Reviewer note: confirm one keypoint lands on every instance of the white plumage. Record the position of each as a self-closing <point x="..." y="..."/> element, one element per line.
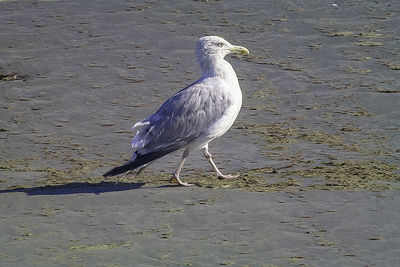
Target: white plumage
<point x="194" y="116"/>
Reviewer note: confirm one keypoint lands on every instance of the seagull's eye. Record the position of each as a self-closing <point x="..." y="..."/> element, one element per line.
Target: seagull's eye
<point x="220" y="44"/>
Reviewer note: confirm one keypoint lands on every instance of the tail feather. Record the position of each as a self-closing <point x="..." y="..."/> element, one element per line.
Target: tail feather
<point x="140" y="160"/>
<point x="120" y="169"/>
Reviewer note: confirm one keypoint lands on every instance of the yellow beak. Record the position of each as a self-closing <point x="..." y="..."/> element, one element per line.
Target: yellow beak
<point x="239" y="50"/>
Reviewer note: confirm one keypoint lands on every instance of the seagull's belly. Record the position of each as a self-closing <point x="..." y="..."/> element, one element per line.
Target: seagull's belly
<point x="222" y="125"/>
<point x="219" y="128"/>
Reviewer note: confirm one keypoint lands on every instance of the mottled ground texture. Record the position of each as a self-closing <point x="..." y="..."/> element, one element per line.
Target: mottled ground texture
<point x="317" y="142"/>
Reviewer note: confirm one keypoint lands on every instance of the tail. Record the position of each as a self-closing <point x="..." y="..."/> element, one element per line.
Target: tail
<point x="121" y="169"/>
<point x="140" y="160"/>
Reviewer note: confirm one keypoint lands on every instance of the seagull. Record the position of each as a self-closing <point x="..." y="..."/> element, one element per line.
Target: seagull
<point x="194" y="116"/>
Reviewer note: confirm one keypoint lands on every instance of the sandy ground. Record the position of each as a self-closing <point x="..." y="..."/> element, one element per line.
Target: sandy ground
<point x="108" y="226"/>
<point x="317" y="141"/>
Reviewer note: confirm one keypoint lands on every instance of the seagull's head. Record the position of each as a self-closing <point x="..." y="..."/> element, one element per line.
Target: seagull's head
<point x="215" y="47"/>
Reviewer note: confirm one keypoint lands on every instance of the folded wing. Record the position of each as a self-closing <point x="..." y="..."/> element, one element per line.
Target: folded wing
<point x="183" y="117"/>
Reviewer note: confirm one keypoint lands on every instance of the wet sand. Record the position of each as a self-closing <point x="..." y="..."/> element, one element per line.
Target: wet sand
<point x="317" y="141"/>
<point x="124" y="225"/>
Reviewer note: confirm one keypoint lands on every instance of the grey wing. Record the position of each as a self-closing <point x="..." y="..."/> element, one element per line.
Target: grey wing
<point x="182" y="118"/>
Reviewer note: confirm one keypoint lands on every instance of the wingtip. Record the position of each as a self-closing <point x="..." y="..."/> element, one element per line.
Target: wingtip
<point x="113" y="172"/>
<point x="120" y="169"/>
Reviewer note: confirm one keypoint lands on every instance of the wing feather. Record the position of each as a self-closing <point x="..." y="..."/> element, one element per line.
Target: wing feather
<point x="183" y="117"/>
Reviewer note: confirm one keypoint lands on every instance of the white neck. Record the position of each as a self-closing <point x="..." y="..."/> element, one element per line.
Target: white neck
<point x="217" y="67"/>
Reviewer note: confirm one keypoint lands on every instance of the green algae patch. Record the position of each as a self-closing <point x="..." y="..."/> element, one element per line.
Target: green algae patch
<point x="335" y="175"/>
<point x="395" y="91"/>
<point x="12" y="77"/>
<point x="255" y="180"/>
<point x="357" y="71"/>
<point x="285" y="134"/>
<point x="342" y="176"/>
<point x="99" y="247"/>
<point x="274" y="133"/>
<point x="79" y="168"/>
<point x="351" y="175"/>
<point x="251" y="180"/>
<point x="369" y="43"/>
<point x="341" y="34"/>
<point x="15" y="164"/>
<point x="322" y="138"/>
<point x="247" y="182"/>
<point x="360" y="112"/>
<point x="78" y="171"/>
<point x="392" y="65"/>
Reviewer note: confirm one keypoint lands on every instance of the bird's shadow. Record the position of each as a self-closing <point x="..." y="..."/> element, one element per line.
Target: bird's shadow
<point x="76" y="188"/>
